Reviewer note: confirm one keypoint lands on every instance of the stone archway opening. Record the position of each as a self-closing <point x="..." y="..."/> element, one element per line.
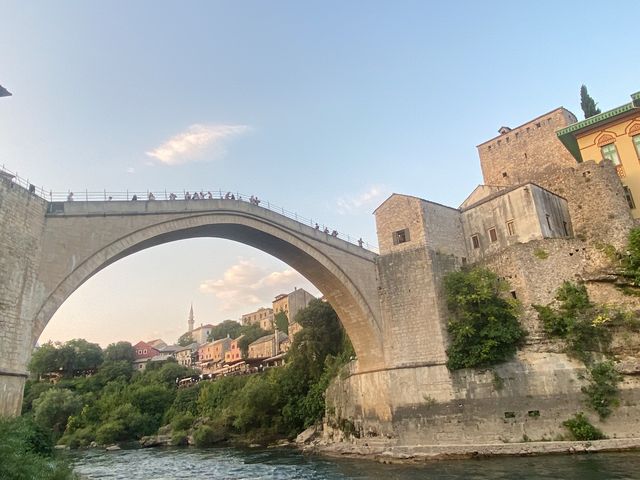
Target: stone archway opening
<point x="327" y="276"/>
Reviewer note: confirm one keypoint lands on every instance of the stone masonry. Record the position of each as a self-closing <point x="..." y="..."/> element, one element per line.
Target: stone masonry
<point x="520" y="154"/>
<point x="50" y="249"/>
<point x="22" y="221"/>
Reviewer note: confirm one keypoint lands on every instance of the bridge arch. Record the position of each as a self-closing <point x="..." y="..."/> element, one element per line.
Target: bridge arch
<point x="345" y="274"/>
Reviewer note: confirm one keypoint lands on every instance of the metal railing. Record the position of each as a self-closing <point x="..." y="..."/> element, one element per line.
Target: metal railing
<point x="13" y="177"/>
<point x="174" y="195"/>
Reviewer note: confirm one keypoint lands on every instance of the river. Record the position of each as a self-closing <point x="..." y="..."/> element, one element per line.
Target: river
<point x="285" y="464"/>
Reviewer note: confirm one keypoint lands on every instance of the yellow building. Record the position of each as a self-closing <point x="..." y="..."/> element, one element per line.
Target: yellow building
<point x="281" y="304"/>
<point x="262" y="316"/>
<point x="615" y="136"/>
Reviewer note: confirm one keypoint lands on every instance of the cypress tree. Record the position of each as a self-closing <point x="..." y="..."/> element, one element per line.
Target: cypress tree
<point x="587" y="103"/>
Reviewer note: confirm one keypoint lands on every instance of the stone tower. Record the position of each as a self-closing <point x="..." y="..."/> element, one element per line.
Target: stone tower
<point x="191" y="319"/>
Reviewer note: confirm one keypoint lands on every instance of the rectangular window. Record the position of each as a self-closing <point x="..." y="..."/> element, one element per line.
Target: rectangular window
<point x="511" y="228"/>
<point x="475" y="240"/>
<point x="628" y="196"/>
<point x="636" y="143"/>
<point x="493" y="235"/>
<point x="401" y="236"/>
<point x="610" y="153"/>
<point x="548" y="220"/>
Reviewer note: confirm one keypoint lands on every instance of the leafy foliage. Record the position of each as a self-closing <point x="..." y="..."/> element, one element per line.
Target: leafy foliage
<point x="483" y="326"/>
<point x="205" y="436"/>
<point x="579" y="322"/>
<point x="53" y="408"/>
<point x="26" y="453"/>
<point x="581" y="428"/>
<point x="117" y="404"/>
<point x="282" y="322"/>
<point x="632" y="261"/>
<point x="229" y="328"/>
<point x="588" y="105"/>
<point x="250" y="333"/>
<point x="67" y="359"/>
<point x="185" y="339"/>
<point x="602" y="391"/>
<point x="120" y="351"/>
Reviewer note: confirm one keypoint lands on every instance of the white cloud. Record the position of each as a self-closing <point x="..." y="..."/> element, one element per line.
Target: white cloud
<point x="247" y="285"/>
<point x="131" y="170"/>
<point x="194" y="142"/>
<point x="352" y="203"/>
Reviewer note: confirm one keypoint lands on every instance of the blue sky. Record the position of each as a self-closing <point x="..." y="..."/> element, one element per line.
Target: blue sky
<point x="324" y="108"/>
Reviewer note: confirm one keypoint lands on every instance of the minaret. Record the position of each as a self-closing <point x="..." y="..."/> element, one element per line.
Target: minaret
<point x="191" y="319"/>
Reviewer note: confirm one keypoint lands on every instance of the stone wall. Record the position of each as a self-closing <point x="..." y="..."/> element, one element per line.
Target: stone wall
<point x="443" y="227"/>
<point x="412" y="308"/>
<point x="527" y="398"/>
<point x="400" y="212"/>
<point x="594" y="193"/>
<point x="526" y="207"/>
<point x="535" y="270"/>
<point x="517" y="156"/>
<point x="20" y="249"/>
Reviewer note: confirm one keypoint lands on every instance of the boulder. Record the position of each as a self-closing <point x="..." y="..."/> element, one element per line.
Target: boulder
<point x="629" y="366"/>
<point x="307" y="436"/>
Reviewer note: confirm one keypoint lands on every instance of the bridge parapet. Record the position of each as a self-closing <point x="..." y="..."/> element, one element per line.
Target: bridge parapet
<point x="161" y="207"/>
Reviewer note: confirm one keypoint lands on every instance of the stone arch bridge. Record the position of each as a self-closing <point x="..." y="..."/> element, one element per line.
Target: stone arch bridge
<point x="49" y="249"/>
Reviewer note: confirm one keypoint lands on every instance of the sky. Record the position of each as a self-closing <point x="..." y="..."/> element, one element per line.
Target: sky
<point x="323" y="108"/>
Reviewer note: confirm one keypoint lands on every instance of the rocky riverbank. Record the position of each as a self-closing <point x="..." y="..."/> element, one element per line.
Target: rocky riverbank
<point x="426" y="453"/>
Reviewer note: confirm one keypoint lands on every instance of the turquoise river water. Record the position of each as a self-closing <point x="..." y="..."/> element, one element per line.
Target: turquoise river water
<point x="285" y="464"/>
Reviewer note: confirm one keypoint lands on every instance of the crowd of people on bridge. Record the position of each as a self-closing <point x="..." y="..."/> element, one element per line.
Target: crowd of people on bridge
<point x="253" y="200"/>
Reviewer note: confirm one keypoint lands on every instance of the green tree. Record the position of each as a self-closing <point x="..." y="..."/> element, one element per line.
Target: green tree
<point x="26" y="453"/>
<point x="251" y="334"/>
<point x="185" y="339"/>
<point x="88" y="356"/>
<point x="318" y="352"/>
<point x="588" y="105"/>
<point x="45" y="359"/>
<point x="228" y="328"/>
<point x="282" y="322"/>
<point x="483" y="326"/>
<point x="54" y="407"/>
<point x="153" y="400"/>
<point x="32" y="390"/>
<point x="114" y="370"/>
<point x="116" y="352"/>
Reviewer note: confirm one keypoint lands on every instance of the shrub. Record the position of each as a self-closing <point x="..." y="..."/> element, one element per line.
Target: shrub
<point x="111" y="432"/>
<point x="541" y="254"/>
<point x="182" y="421"/>
<point x="602" y="391"/>
<point x="205" y="436"/>
<point x="26" y="453"/>
<point x="483" y="327"/>
<point x="81" y="437"/>
<point x="581" y="429"/>
<point x="580" y="323"/>
<point x="179" y="438"/>
<point x="632" y="261"/>
<point x="53" y="408"/>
